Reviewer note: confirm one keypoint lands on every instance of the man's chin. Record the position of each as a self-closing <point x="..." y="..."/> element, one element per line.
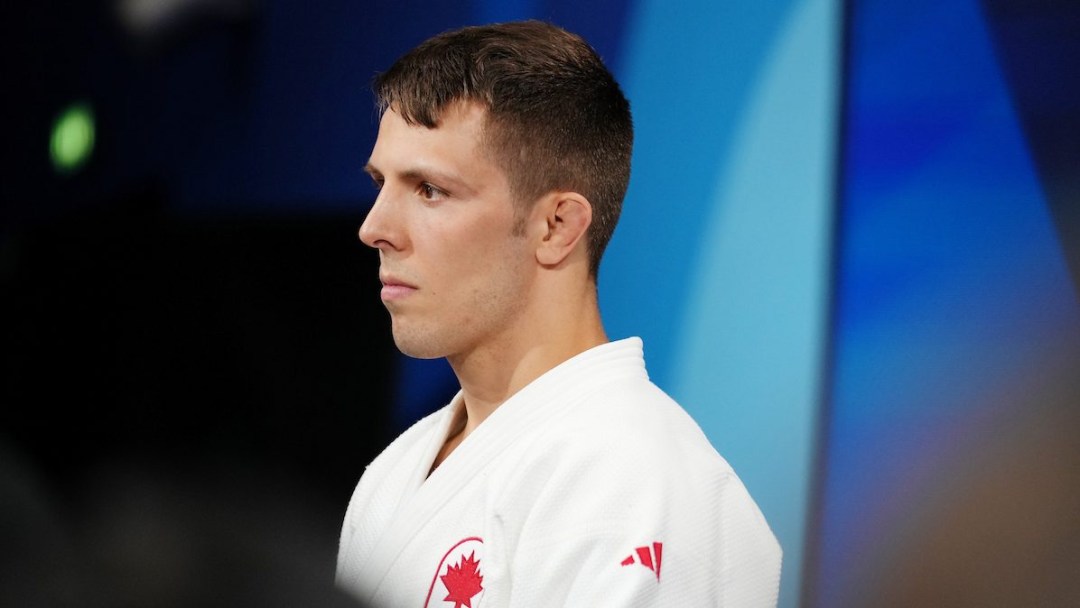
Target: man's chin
<point x="414" y="354"/>
<point x="417" y="347"/>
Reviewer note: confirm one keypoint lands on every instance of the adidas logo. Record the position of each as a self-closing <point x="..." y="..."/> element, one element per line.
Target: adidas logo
<point x="650" y="557"/>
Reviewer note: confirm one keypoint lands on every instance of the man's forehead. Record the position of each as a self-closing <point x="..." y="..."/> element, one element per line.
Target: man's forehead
<point x="452" y="152"/>
<point x="458" y="133"/>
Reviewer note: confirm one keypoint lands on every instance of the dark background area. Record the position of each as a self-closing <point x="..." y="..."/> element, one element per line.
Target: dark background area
<point x="217" y="378"/>
<point x="246" y="338"/>
<point x="196" y="363"/>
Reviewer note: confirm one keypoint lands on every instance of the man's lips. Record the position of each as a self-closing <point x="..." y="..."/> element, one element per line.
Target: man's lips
<point x="395" y="289"/>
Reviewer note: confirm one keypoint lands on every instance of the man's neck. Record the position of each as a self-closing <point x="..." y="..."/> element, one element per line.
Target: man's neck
<point x="495" y="372"/>
<point x="487" y="383"/>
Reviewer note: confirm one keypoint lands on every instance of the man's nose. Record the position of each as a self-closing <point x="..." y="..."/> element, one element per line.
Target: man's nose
<point x="381" y="227"/>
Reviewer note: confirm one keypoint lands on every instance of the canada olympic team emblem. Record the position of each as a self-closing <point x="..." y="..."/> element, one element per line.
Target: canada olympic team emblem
<point x="458" y="581"/>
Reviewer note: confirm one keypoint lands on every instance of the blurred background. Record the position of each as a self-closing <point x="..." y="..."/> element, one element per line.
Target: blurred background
<point x="851" y="245"/>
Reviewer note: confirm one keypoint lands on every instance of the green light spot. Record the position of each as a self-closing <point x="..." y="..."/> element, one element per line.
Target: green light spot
<point x="72" y="139"/>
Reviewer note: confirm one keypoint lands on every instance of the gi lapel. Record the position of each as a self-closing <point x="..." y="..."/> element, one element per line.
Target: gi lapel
<point x="540" y="403"/>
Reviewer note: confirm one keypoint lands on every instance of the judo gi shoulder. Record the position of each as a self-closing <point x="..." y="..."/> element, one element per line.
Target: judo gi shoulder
<point x="624" y="502"/>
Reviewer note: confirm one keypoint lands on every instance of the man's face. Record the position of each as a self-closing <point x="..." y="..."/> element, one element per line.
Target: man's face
<point x="455" y="275"/>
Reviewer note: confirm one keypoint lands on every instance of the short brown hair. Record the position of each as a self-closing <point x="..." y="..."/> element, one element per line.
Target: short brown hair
<point x="556" y="117"/>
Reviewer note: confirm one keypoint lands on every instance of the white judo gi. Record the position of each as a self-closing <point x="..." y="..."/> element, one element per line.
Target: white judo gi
<point x="589" y="487"/>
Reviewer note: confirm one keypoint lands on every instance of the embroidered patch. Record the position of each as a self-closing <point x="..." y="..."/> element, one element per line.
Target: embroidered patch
<point x="458" y="581"/>
<point x="651" y="558"/>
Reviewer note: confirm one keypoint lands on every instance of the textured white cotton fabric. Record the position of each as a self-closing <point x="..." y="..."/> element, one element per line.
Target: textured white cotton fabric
<point x="589" y="487"/>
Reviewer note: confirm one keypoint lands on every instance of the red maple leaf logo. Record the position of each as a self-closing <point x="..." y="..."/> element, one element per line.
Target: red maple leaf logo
<point x="463" y="581"/>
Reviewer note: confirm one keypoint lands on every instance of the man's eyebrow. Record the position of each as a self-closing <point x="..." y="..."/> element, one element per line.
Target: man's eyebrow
<point x="422" y="173"/>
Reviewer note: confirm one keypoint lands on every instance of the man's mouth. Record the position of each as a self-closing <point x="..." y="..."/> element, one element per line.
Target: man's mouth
<point x="395" y="289"/>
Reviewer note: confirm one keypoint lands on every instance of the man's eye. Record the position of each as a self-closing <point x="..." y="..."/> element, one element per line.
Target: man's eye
<point x="430" y="192"/>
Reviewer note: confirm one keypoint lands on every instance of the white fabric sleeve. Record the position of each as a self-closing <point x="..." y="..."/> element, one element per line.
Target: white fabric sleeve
<point x="597" y="520"/>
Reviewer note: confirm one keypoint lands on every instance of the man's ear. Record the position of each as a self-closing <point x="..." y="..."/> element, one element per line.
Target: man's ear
<point x="567" y="217"/>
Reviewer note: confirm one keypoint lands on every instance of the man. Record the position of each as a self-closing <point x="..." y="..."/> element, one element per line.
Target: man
<point x="559" y="475"/>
